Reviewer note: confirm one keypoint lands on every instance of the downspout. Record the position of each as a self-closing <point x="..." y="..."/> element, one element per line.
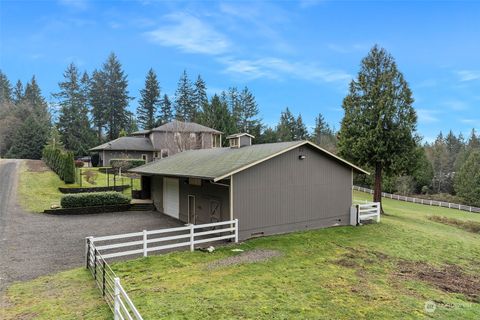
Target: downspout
<point x="231" y="197"/>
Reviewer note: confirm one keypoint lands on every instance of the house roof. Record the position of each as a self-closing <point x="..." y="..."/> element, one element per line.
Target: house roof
<point x="180" y="126"/>
<point x="236" y="135"/>
<point x="126" y="143"/>
<point x="220" y="163"/>
<point x="140" y="133"/>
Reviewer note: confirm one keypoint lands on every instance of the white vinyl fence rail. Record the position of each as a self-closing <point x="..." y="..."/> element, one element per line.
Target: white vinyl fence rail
<point x="368" y="211"/>
<point x="109" y="284"/>
<point x="163" y="239"/>
<point x="143" y="243"/>
<point x="422" y="201"/>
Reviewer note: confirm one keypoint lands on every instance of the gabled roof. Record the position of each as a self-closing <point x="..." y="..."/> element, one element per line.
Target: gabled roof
<point x="236" y="135"/>
<point x="140" y="133"/>
<point x="219" y="163"/>
<point x="180" y="126"/>
<point x="126" y="143"/>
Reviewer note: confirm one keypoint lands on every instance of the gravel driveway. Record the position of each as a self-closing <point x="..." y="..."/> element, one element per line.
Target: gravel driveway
<point x="34" y="244"/>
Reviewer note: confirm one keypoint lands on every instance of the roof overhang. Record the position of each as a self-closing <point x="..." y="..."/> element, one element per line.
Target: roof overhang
<point x="302" y="143"/>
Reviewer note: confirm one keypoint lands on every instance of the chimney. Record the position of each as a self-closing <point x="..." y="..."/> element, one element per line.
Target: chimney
<point x="239" y="140"/>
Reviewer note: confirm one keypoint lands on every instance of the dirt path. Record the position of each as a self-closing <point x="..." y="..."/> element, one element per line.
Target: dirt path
<point x="34" y="244"/>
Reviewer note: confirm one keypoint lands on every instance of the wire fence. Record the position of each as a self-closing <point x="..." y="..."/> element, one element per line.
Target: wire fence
<point x="422" y="201"/>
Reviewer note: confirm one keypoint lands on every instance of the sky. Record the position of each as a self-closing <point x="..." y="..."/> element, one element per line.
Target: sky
<point x="296" y="54"/>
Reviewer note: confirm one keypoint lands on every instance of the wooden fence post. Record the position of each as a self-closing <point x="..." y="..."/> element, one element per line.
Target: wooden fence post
<point x="103" y="278"/>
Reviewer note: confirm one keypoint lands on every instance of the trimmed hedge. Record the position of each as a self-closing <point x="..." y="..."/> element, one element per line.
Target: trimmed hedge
<point x="126" y="164"/>
<point x="92" y="199"/>
<point x="61" y="162"/>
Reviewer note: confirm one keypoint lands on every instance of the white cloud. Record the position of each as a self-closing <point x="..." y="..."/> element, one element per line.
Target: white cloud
<point x="427" y="115"/>
<point x="456" y="105"/>
<point x="191" y="35"/>
<point x="275" y="68"/>
<point x="468" y="75"/>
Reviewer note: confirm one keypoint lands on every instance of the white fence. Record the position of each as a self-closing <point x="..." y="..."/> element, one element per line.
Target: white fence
<point x="368" y="211"/>
<point x="146" y="241"/>
<point x="422" y="201"/>
<point x="109" y="284"/>
<point x="141" y="243"/>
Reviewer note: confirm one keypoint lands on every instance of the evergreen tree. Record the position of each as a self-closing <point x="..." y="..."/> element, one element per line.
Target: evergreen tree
<point x="166" y="112"/>
<point x="473" y="141"/>
<point x="5" y="89"/>
<point x="269" y="135"/>
<point x="221" y="118"/>
<point x="73" y="123"/>
<point x="18" y="92"/>
<point x="378" y="129"/>
<point x="300" y="129"/>
<point x="247" y="114"/>
<point x="286" y="128"/>
<point x="33" y="97"/>
<point x="149" y="102"/>
<point x="232" y="99"/>
<point x="467" y="181"/>
<point x="323" y="135"/>
<point x="29" y="139"/>
<point x="109" y="98"/>
<point x="200" y="99"/>
<point x="131" y="124"/>
<point x="98" y="102"/>
<point x="184" y="104"/>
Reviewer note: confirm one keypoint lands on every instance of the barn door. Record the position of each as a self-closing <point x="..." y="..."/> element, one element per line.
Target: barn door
<point x="171" y="199"/>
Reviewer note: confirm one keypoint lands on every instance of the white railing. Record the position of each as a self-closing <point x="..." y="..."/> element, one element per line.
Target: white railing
<point x="163" y="239"/>
<point x="427" y="202"/>
<point x="109" y="285"/>
<point x="368" y="211"/>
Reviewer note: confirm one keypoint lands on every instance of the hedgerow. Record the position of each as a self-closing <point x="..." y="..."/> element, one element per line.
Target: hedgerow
<point x="61" y="162"/>
<point x="92" y="199"/>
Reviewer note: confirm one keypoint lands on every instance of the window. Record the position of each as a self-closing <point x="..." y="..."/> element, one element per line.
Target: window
<point x="164" y="153"/>
<point x="234" y="142"/>
<point x="144" y="157"/>
<point x="216" y="141"/>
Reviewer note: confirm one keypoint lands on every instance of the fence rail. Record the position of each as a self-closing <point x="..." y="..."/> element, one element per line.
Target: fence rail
<point x="109" y="285"/>
<point x="422" y="201"/>
<point x="163" y="239"/>
<point x="138" y="243"/>
<point x="368" y="211"/>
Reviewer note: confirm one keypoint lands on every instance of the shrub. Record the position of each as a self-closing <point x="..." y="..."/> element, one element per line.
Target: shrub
<point x="126" y="164"/>
<point x="68" y="168"/>
<point x="79" y="164"/>
<point x="92" y="199"/>
<point x="91" y="176"/>
<point x="95" y="159"/>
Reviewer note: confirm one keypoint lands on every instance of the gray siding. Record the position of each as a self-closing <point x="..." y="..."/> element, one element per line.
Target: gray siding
<point x="286" y="194"/>
<point x="245" y="141"/>
<point x="107" y="155"/>
<point x="206" y="196"/>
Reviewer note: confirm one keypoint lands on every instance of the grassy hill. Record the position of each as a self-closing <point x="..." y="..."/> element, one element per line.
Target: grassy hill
<point x="377" y="271"/>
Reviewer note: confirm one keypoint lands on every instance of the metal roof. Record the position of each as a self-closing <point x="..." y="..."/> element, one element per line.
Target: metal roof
<point x="126" y="143"/>
<point x="180" y="126"/>
<point x="219" y="163"/>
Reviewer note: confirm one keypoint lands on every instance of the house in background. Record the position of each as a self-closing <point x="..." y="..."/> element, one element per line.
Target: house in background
<point x="270" y="188"/>
<point x="160" y="142"/>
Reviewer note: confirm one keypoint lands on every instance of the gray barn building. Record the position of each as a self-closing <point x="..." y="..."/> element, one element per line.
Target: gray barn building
<point x="270" y="188"/>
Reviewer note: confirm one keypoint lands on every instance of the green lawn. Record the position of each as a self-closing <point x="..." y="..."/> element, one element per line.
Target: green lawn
<point x="38" y="190"/>
<point x="376" y="271"/>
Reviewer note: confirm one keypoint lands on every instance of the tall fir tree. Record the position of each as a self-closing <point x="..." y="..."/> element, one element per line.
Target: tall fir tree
<point x="378" y="129"/>
<point x="300" y="130"/>
<point x="29" y="139"/>
<point x="286" y="126"/>
<point x="246" y="117"/>
<point x="184" y="103"/>
<point x="73" y="123"/>
<point x="166" y="112"/>
<point x="18" y="92"/>
<point x="200" y="98"/>
<point x="109" y="98"/>
<point x="323" y="135"/>
<point x="6" y="90"/>
<point x="221" y="118"/>
<point x="149" y="102"/>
